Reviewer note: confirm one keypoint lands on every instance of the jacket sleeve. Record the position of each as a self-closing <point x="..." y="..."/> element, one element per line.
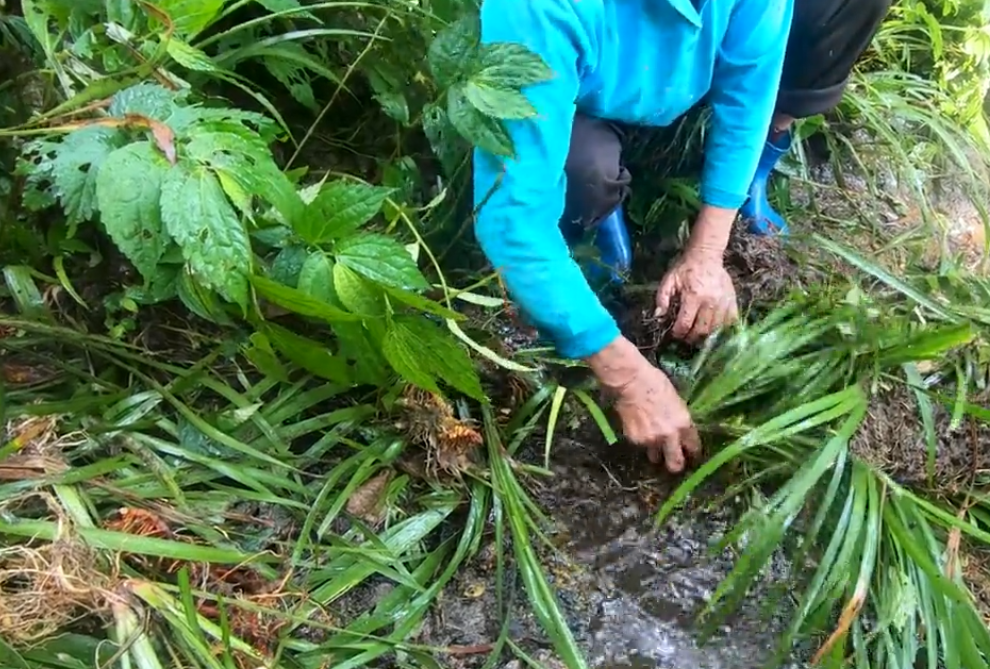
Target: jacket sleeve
<point x="743" y="96"/>
<point x="518" y="225"/>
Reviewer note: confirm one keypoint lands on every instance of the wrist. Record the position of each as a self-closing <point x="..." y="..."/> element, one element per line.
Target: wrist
<point x="710" y="233"/>
<point x="616" y="365"/>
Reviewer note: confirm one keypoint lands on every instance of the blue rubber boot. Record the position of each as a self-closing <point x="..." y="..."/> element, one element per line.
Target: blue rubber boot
<point x="615" y="251"/>
<point x="757" y="213"/>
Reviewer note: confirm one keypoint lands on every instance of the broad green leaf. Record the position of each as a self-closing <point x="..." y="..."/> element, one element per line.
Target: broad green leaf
<point x="452" y="52"/>
<point x="191" y="17"/>
<point x="358" y="345"/>
<point x="480" y="130"/>
<point x="287" y="265"/>
<point x="340" y="208"/>
<point x="128" y="190"/>
<point x="510" y="65"/>
<point x="151" y="100"/>
<point x="421" y="351"/>
<point x="202" y="221"/>
<point x="356" y="294"/>
<point x="499" y="103"/>
<point x="299" y="302"/>
<point x="72" y="166"/>
<point x="121" y="12"/>
<point x="309" y="354"/>
<point x="381" y="259"/>
<point x="244" y="157"/>
<point x="316" y="278"/>
<point x="199" y="300"/>
<point x="417" y="301"/>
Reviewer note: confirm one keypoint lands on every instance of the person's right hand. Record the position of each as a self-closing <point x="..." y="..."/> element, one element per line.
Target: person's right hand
<point x="653" y="414"/>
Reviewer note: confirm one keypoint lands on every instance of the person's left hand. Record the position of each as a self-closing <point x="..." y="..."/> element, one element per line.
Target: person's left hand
<point x="707" y="297"/>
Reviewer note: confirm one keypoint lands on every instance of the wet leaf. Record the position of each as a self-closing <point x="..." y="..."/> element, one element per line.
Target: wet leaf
<point x="452" y="51"/>
<point x="202" y="221"/>
<point x="149" y="100"/>
<point x="381" y="259"/>
<point x="189" y="56"/>
<point x="482" y="131"/>
<point x="128" y="190"/>
<point x="499" y="103"/>
<point x="356" y="293"/>
<point x="316" y="278"/>
<point x="508" y="65"/>
<point x="421" y="352"/>
<point x="340" y="208"/>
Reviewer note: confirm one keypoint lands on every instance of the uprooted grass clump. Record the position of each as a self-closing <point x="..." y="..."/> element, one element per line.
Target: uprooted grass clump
<point x="47" y="588"/>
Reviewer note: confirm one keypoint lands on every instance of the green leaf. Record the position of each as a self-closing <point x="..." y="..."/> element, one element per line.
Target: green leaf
<point x="309" y="354"/>
<point x="72" y="166"/>
<point x="191" y="17"/>
<point x="316" y="278"/>
<point x="498" y="102"/>
<point x="278" y="6"/>
<point x="288" y="264"/>
<point x="356" y="293"/>
<point x="299" y="302"/>
<point x="260" y="354"/>
<point x="381" y="259"/>
<point x="482" y="131"/>
<point x="151" y="100"/>
<point x="453" y="51"/>
<point x="421" y="351"/>
<point x="128" y="190"/>
<point x="244" y="158"/>
<point x="214" y="242"/>
<point x="447" y="144"/>
<point x="363" y="349"/>
<point x="199" y="300"/>
<point x="417" y="301"/>
<point x="510" y="65"/>
<point x="189" y="56"/>
<point x="340" y="208"/>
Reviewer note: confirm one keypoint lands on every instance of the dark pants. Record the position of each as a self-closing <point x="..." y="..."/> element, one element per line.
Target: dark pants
<point x="827" y="38"/>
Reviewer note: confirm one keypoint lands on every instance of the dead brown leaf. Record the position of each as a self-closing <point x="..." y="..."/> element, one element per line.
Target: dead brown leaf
<point x="368" y="501"/>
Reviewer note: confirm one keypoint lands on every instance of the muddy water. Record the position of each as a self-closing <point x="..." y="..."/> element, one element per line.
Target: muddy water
<point x="630" y="592"/>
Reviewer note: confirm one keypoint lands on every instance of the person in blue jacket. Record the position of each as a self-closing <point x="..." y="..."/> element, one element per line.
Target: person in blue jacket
<point x="758" y="65"/>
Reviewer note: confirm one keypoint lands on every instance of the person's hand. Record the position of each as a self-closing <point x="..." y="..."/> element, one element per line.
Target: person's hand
<point x="707" y="298"/>
<point x="653" y="414"/>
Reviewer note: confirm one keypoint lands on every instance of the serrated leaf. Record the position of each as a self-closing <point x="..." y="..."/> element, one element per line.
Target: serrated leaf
<point x="293" y="75"/>
<point x="191" y="17"/>
<point x="452" y="53"/>
<point x="203" y="223"/>
<point x="498" y="102"/>
<point x="288" y="265"/>
<point x="72" y="166"/>
<point x="356" y="293"/>
<point x="189" y="56"/>
<point x="381" y="259"/>
<point x="358" y="344"/>
<point x="308" y="354"/>
<point x="316" y="278"/>
<point x="482" y="131"/>
<point x="199" y="300"/>
<point x="421" y="351"/>
<point x="340" y="208"/>
<point x="150" y="100"/>
<point x="299" y="302"/>
<point x="128" y="190"/>
<point x="246" y="160"/>
<point x="510" y="65"/>
<point x="447" y="144"/>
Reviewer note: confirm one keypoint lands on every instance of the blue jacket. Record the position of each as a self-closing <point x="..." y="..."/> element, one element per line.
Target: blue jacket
<point x="643" y="62"/>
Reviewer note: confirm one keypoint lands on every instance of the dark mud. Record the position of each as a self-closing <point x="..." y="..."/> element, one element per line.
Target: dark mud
<point x="630" y="592"/>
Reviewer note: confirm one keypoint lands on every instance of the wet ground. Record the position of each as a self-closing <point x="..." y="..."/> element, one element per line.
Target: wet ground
<point x="630" y="592"/>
